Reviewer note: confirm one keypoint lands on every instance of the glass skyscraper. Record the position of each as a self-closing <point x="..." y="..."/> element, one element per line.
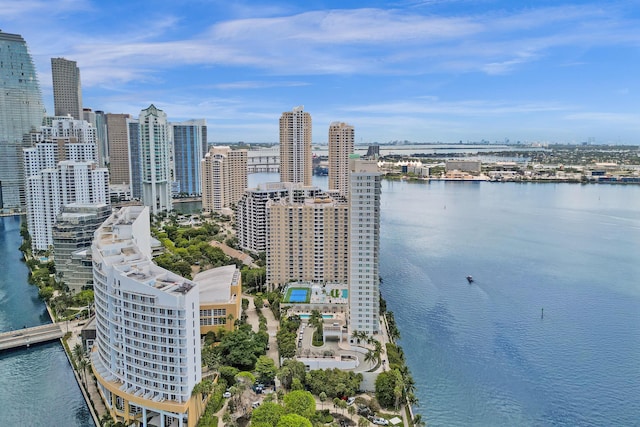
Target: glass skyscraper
<point x="190" y="146"/>
<point x="21" y="110"/>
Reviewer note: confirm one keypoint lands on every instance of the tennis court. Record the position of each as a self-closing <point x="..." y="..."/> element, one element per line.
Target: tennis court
<point x="298" y="295"/>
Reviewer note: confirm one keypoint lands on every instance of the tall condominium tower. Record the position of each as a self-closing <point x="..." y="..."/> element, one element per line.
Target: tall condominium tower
<point x="97" y="119"/>
<point x="21" y="110"/>
<point x="307" y="241"/>
<point x="364" y="246"/>
<point x="67" y="91"/>
<point x="103" y="141"/>
<point x="341" y="139"/>
<point x="295" y="147"/>
<point x="118" y="141"/>
<point x="61" y="169"/>
<point x="155" y="158"/>
<point x="146" y="356"/>
<point x="135" y="165"/>
<point x="251" y="211"/>
<point x="224" y="178"/>
<point x="189" y="147"/>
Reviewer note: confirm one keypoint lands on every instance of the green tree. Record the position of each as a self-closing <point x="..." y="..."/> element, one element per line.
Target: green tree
<point x="239" y="348"/>
<point x="418" y="421"/>
<point x="78" y="352"/>
<point x="266" y="369"/>
<point x="389" y="388"/>
<point x="82" y="367"/>
<point x="228" y="374"/>
<point x="322" y="396"/>
<point x="293" y="420"/>
<point x="296" y="384"/>
<point x="268" y="413"/>
<point x="300" y="402"/>
<point x="351" y="410"/>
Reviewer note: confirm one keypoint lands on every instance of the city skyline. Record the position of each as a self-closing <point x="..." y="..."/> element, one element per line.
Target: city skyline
<point x="424" y="71"/>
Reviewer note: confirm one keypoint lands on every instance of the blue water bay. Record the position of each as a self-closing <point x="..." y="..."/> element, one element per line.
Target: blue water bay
<point x="481" y="353"/>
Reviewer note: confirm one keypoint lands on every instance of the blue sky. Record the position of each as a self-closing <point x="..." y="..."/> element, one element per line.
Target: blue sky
<point x="424" y="71"/>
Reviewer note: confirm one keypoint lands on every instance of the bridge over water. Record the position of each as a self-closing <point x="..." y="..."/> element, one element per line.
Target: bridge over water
<point x="28" y="336"/>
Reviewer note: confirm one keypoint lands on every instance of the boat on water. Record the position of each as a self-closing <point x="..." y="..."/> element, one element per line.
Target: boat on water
<point x="469" y="279"/>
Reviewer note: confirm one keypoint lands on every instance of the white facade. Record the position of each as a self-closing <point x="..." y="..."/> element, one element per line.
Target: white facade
<point x="147" y="350"/>
<point x="60" y="168"/>
<point x="155" y="160"/>
<point x="364" y="246"/>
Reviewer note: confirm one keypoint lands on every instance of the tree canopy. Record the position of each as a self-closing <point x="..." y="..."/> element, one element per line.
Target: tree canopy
<point x="301" y="403"/>
<point x="268" y="413"/>
<point x="266" y="369"/>
<point x="293" y="420"/>
<point x="240" y="348"/>
<point x="334" y="382"/>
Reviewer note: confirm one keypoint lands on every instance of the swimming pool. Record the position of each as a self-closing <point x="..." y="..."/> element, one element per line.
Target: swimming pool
<point x="345" y="293"/>
<point x="324" y="316"/>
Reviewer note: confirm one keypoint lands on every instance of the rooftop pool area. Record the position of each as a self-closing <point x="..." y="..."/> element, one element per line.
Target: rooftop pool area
<point x="307" y="316"/>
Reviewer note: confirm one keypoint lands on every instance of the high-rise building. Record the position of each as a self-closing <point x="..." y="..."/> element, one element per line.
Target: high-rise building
<point x="189" y="147"/>
<point x="364" y="246"/>
<point x="135" y="166"/>
<point x="103" y="140"/>
<point x="155" y="159"/>
<point x="118" y="142"/>
<point x="72" y="237"/>
<point x="295" y="147"/>
<point x="61" y="169"/>
<point x="67" y="90"/>
<point x="21" y="110"/>
<point x="146" y="356"/>
<point x="308" y="240"/>
<point x="251" y="211"/>
<point x="97" y="119"/>
<point x="341" y="140"/>
<point x="224" y="178"/>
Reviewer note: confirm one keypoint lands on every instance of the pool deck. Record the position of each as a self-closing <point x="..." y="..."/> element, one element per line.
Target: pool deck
<point x="319" y="294"/>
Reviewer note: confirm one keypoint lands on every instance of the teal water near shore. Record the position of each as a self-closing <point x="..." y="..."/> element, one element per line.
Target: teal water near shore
<point x="37" y="385"/>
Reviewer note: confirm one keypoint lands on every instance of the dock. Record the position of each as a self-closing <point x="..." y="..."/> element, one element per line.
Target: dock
<point x="29" y="336"/>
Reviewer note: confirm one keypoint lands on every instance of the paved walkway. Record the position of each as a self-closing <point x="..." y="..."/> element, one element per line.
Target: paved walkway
<point x="272" y="326"/>
<point x="75" y="327"/>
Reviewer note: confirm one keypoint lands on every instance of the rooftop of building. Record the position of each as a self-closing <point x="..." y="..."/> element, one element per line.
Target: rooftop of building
<point x="117" y="246"/>
<point x="215" y="284"/>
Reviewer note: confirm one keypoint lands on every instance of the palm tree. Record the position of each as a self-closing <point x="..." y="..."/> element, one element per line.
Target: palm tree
<point x="418" y="421"/>
<point x="82" y="366"/>
<point x="370" y="356"/>
<point x="78" y="352"/>
<point x="377" y="350"/>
